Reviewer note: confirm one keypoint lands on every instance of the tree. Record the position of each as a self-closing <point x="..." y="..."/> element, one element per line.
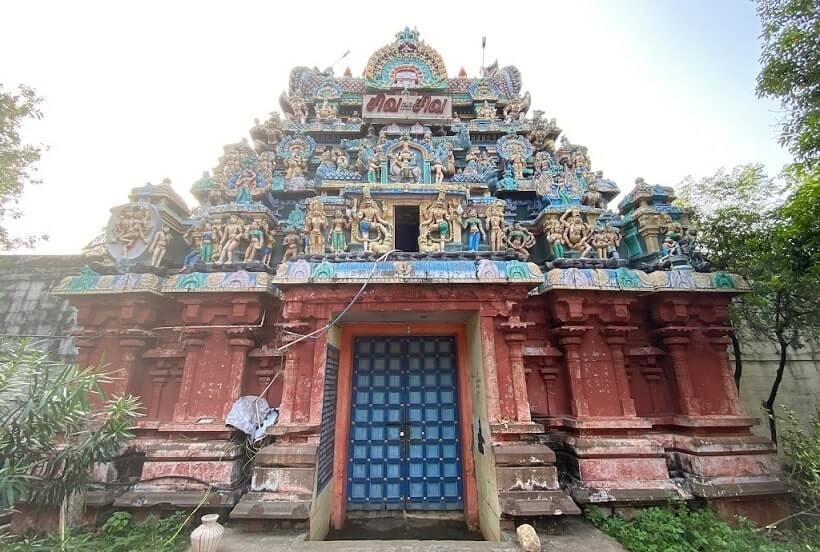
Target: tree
<point x="747" y="228"/>
<point x="55" y="424"/>
<point x="17" y="159"/>
<point x="791" y="70"/>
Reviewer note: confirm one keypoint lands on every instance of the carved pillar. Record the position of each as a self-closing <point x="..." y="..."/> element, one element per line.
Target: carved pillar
<point x="240" y="343"/>
<point x="515" y="339"/>
<point x="616" y="339"/>
<point x="719" y="340"/>
<point x="290" y="375"/>
<point x="131" y="346"/>
<point x="487" y="331"/>
<point x="85" y="342"/>
<point x="676" y="339"/>
<point x="192" y="341"/>
<point x="159" y="378"/>
<point x="570" y="338"/>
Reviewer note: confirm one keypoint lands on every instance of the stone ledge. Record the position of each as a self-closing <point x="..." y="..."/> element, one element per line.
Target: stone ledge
<point x="256" y="505"/>
<point x="736" y="487"/>
<point x="176" y="499"/>
<point x="642" y="492"/>
<point x="523" y="454"/>
<point x="537" y="503"/>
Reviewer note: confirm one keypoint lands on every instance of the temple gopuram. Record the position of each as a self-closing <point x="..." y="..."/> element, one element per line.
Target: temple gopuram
<point x="406" y="292"/>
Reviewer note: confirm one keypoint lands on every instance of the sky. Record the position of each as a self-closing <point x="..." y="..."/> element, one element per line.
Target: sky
<point x="138" y="91"/>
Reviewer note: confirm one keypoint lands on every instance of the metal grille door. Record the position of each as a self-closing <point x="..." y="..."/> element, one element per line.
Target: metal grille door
<point x="404" y="444"/>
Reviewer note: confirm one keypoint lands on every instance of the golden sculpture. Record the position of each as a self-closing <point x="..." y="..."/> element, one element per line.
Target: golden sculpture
<point x="295" y="165"/>
<point x="315" y="227"/>
<point x="325" y="112"/>
<point x="486" y="111"/>
<point x="495" y="223"/>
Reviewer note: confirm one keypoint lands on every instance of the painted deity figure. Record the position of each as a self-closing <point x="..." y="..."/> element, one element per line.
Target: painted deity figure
<point x="256" y="240"/>
<point x="299" y="108"/>
<point x="206" y="244"/>
<point x="342" y="163"/>
<point x="292" y="243"/>
<point x="374" y="168"/>
<point x="520" y="240"/>
<point x="475" y="229"/>
<point x="405" y="168"/>
<point x="159" y="245"/>
<point x="369" y="219"/>
<point x="495" y="223"/>
<point x="516" y="109"/>
<point x="555" y="238"/>
<point x="541" y="163"/>
<point x="325" y="112"/>
<point x="518" y="164"/>
<point x="576" y="231"/>
<point x="192" y="237"/>
<point x="244" y="186"/>
<point x="671" y="241"/>
<point x="438" y="171"/>
<point x="338" y="225"/>
<point x="486" y="111"/>
<point x="598" y="242"/>
<point x="270" y="243"/>
<point x="134" y="225"/>
<point x="592" y="197"/>
<point x="437" y="220"/>
<point x="232" y="235"/>
<point x="613" y="240"/>
<point x="295" y="165"/>
<point x="315" y="228"/>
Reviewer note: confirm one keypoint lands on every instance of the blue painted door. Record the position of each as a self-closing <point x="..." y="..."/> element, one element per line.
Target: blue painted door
<point x="405" y="452"/>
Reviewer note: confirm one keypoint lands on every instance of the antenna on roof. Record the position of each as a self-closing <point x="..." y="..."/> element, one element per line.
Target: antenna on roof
<point x="337" y="61"/>
<point x="483" y="47"/>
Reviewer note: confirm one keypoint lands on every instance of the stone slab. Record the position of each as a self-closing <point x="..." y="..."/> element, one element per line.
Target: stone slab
<point x="271" y="506"/>
<point x="543" y="503"/>
<point x="523" y="454"/>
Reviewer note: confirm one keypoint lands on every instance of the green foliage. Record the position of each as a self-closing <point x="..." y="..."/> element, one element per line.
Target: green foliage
<point x="682" y="530"/>
<point x="119" y="534"/>
<point x="749" y="225"/>
<point x="16" y="158"/>
<point x="802" y="449"/>
<point x="791" y="70"/>
<point x="55" y="423"/>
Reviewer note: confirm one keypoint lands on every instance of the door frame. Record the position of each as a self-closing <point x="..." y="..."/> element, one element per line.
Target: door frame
<point x="344" y="400"/>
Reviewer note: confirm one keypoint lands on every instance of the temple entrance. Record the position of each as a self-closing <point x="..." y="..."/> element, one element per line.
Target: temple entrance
<point x="404" y="443"/>
<point x="407" y="227"/>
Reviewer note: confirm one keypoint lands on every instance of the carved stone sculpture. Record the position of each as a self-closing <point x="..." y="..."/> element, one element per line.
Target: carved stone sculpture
<point x="159" y="245"/>
<point x="369" y="220"/>
<point x="315" y="227"/>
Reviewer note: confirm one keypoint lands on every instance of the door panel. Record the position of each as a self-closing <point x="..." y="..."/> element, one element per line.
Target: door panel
<point x="404" y="439"/>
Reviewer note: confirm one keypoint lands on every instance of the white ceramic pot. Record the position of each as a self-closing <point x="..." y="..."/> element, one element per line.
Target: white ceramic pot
<point x="206" y="537"/>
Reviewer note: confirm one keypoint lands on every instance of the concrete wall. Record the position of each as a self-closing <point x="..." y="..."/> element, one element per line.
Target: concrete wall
<point x="26" y="306"/>
<point x="799" y="390"/>
<point x="489" y="508"/>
